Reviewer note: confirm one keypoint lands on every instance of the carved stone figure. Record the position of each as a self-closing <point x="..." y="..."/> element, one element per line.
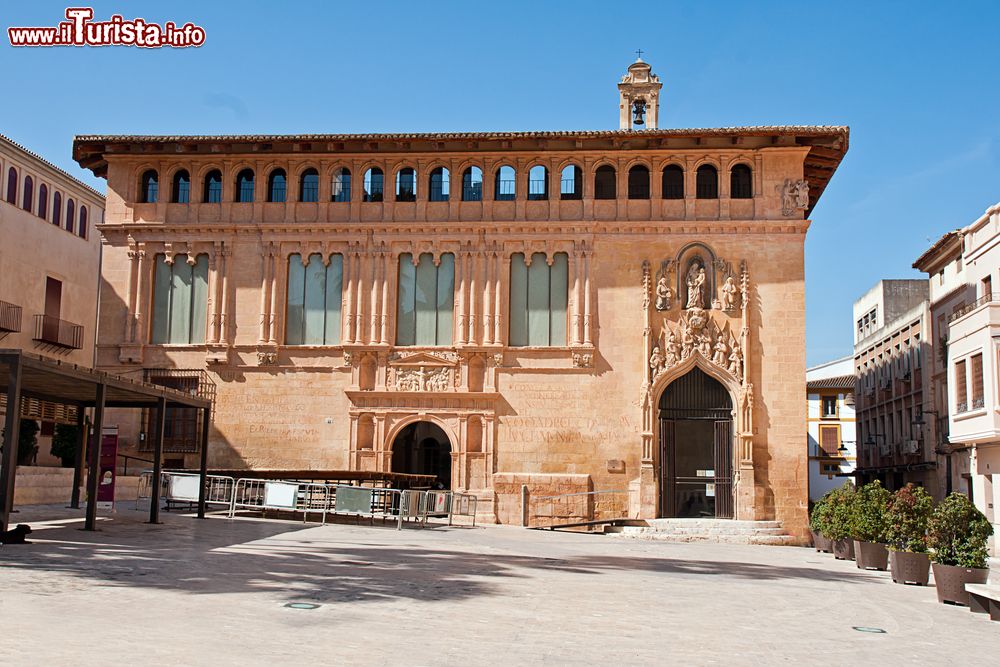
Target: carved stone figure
<point x="267" y="358"/>
<point x="729" y="292"/>
<point x="687" y="343"/>
<point x="437" y="380"/>
<point x="408" y="379"/>
<point x="721" y="352"/>
<point x="794" y="195"/>
<point x="583" y="360"/>
<point x="705" y="344"/>
<point x="656" y="361"/>
<point x="736" y="361"/>
<point x="696" y="286"/>
<point x="673" y="351"/>
<point x="663" y="294"/>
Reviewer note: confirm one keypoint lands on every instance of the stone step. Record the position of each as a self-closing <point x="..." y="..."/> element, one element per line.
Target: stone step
<point x="722" y="531"/>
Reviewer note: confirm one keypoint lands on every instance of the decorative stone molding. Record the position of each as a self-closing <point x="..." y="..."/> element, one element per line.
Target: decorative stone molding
<point x="696" y="333"/>
<point x="497" y="359"/>
<point x="583" y="359"/>
<point x="348" y="359"/>
<point x="423" y="371"/>
<point x="130" y="353"/>
<point x="794" y="196"/>
<point x="267" y="358"/>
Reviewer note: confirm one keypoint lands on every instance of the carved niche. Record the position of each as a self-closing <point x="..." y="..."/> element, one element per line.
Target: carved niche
<point x="423" y="371"/>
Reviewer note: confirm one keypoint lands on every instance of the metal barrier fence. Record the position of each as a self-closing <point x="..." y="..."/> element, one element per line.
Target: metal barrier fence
<point x="181" y="487"/>
<point x="249" y="494"/>
<point x="292" y="496"/>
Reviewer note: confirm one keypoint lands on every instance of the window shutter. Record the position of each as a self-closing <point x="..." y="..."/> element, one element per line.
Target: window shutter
<point x="828" y="440"/>
<point x="961" y="395"/>
<point x="977" y="381"/>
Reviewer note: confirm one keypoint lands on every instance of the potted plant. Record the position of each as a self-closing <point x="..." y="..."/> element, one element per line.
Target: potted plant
<point x="64" y="443"/>
<point x="908" y="512"/>
<point x="839" y="529"/>
<point x="868" y="526"/>
<point x="818" y="523"/>
<point x="958" y="533"/>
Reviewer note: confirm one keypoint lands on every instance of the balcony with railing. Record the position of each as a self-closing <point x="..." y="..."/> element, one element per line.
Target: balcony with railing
<point x="10" y="318"/>
<point x="51" y="330"/>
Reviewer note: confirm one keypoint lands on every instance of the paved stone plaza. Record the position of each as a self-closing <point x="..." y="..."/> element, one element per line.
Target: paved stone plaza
<point x="214" y="592"/>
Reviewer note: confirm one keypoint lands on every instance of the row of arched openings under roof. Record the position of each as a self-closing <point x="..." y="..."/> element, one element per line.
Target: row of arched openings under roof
<point x="76" y="220"/>
<point x="405" y="188"/>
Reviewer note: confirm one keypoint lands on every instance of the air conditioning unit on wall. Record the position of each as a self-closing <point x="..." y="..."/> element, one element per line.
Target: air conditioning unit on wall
<point x="911" y="446"/>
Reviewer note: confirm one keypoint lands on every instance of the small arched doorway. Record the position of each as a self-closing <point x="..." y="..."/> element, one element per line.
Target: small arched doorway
<point x="696" y="451"/>
<point x="423" y="448"/>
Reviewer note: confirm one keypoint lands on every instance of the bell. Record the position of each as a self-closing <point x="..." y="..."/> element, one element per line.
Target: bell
<point x="639" y="112"/>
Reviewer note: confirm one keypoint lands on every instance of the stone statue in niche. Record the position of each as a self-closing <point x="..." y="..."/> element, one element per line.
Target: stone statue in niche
<point x="729" y="292"/>
<point x="794" y="195"/>
<point x="696" y="286"/>
<point x="663" y="294"/>
<point x="656" y="361"/>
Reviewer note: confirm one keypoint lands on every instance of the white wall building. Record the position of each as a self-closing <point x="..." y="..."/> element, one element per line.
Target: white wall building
<point x="974" y="363"/>
<point x="831" y="427"/>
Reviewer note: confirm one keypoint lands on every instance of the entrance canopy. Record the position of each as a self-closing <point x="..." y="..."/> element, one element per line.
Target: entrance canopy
<point x="24" y="375"/>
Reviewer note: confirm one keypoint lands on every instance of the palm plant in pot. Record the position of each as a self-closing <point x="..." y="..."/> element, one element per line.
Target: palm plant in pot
<point x="868" y="526"/>
<point x="839" y="525"/>
<point x="958" y="533"/>
<point x="908" y="513"/>
<point x="818" y="522"/>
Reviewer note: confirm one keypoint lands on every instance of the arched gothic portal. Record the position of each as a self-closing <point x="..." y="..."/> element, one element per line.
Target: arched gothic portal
<point x="696" y="450"/>
<point x="423" y="448"/>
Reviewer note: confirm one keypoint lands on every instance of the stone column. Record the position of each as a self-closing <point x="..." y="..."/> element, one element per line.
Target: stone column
<point x="460" y="277"/>
<point x="576" y="319"/>
<point x="265" y="293"/>
<point x="473" y="287"/>
<point x="359" y="301"/>
<point x="347" y="323"/>
<point x="384" y="307"/>
<point x="502" y="269"/>
<point x="223" y="324"/>
<point x="488" y="299"/>
<point x="587" y="333"/>
<point x="373" y="299"/>
<point x="128" y="336"/>
<point x="278" y="286"/>
<point x="142" y="307"/>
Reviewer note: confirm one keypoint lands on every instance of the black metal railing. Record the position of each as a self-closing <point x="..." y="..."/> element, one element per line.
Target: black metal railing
<point x="538" y="190"/>
<point x="961" y="407"/>
<point x="126" y="458"/>
<point x="10" y="317"/>
<point x="978" y="403"/>
<point x="969" y="307"/>
<point x="505" y="190"/>
<point x="53" y="331"/>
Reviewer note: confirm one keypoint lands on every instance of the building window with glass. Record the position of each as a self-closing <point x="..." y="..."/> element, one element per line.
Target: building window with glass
<point x="426" y="300"/>
<point x="315" y="290"/>
<point x="538" y="298"/>
<point x="180" y="292"/>
<point x="213" y="187"/>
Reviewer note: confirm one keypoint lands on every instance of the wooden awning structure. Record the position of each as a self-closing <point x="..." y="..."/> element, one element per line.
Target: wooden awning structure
<point x="26" y="375"/>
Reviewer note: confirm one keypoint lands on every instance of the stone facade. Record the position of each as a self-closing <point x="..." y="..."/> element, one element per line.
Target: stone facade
<point x="578" y="415"/>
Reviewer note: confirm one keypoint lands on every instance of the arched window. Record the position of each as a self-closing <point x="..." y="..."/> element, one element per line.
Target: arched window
<point x="707" y="182"/>
<point x="57" y="209"/>
<point x="741" y="182"/>
<point x="149" y="187"/>
<point x="309" y="186"/>
<point x="571" y="182"/>
<point x="43" y="201"/>
<point x="244" y="186"/>
<point x="538" y="183"/>
<point x="505" y="183"/>
<point x="673" y="182"/>
<point x="12" y="186"/>
<point x="638" y="182"/>
<point x="70" y="215"/>
<point x="406" y="184"/>
<point x="604" y="182"/>
<point x="277" y="186"/>
<point x="181" y="191"/>
<point x="472" y="184"/>
<point x="212" y="194"/>
<point x="28" y="198"/>
<point x="440" y="186"/>
<point x="82" y="231"/>
<point x="341" y="185"/>
<point x="374" y="184"/>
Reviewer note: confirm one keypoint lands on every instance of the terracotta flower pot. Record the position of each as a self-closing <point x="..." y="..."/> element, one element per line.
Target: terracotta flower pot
<point x="871" y="555"/>
<point x="910" y="568"/>
<point x="843" y="549"/>
<point x="950" y="581"/>
<point x="822" y="542"/>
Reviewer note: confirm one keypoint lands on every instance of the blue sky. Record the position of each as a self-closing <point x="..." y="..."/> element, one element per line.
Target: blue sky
<point x="916" y="81"/>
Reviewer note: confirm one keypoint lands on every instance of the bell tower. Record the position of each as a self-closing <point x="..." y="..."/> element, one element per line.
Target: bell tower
<point x="639" y="97"/>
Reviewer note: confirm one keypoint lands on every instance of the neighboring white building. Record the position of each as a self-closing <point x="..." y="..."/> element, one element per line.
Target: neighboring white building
<point x="974" y="363"/>
<point x="831" y="425"/>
